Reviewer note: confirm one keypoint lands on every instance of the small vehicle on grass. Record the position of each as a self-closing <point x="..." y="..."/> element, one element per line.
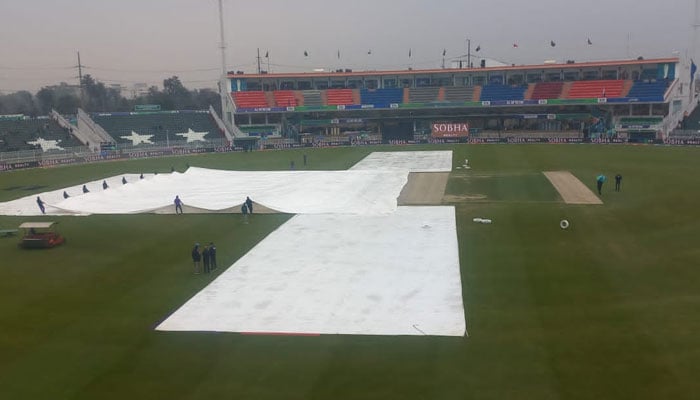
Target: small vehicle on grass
<point x="40" y="235"/>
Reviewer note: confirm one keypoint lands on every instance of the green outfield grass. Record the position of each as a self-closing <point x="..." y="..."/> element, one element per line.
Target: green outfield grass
<point x="609" y="308"/>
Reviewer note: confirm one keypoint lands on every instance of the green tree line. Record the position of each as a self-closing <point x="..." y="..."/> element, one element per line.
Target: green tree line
<point x="96" y="97"/>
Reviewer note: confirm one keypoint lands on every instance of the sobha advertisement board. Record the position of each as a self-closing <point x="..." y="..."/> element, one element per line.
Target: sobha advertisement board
<point x="450" y="129"/>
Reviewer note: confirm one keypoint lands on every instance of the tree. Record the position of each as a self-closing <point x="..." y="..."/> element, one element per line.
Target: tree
<point x="155" y="96"/>
<point x="180" y="97"/>
<point x="46" y="97"/>
<point x="203" y="98"/>
<point x="174" y="87"/>
<point x="96" y="96"/>
<point x="67" y="104"/>
<point x="65" y="98"/>
<point x="21" y="102"/>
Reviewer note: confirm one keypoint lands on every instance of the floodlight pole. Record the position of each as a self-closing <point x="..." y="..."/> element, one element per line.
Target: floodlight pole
<point x="693" y="51"/>
<point x="222" y="44"/>
<point x="223" y="82"/>
<point x="696" y="26"/>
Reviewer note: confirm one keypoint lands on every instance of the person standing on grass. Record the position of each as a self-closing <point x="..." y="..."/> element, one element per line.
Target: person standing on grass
<point x="178" y="205"/>
<point x="244" y="211"/>
<point x="196" y="259"/>
<point x="305" y="160"/>
<point x="618" y="181"/>
<point x="212" y="255"/>
<point x="249" y="203"/>
<point x="40" y="203"/>
<point x="600" y="180"/>
<point x="206" y="259"/>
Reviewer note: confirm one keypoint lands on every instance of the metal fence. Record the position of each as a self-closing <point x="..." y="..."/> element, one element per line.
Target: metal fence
<point x="76" y="155"/>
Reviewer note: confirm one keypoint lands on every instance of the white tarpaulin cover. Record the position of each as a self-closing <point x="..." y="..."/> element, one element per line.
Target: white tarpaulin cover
<point x="351" y="263"/>
<point x="393" y="274"/>
<point x="370" y="187"/>
<point x="412" y="161"/>
<point x="28" y="205"/>
<point x="297" y="192"/>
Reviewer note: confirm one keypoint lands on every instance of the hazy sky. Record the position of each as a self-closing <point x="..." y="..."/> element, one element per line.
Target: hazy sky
<point x="129" y="41"/>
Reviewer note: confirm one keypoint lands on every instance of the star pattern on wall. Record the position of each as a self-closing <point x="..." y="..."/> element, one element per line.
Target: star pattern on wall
<point x="137" y="139"/>
<point x="193" y="136"/>
<point x="46" y="145"/>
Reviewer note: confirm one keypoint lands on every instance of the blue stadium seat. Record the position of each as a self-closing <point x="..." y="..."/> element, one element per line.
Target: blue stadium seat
<point x="652" y="90"/>
<point x="381" y="97"/>
<point x="502" y="92"/>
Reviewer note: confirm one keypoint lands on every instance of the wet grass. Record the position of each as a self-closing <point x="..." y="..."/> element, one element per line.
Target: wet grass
<point x="605" y="309"/>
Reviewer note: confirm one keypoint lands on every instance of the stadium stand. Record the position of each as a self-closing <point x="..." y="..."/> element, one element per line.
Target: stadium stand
<point x="423" y="95"/>
<point x="285" y="98"/>
<point x="459" y="94"/>
<point x="253" y="99"/>
<point x="495" y="92"/>
<point x="312" y="98"/>
<point x="649" y="89"/>
<point x="16" y="133"/>
<point x="337" y="97"/>
<point x="163" y="126"/>
<point x="547" y="90"/>
<point x="382" y="97"/>
<point x="596" y="89"/>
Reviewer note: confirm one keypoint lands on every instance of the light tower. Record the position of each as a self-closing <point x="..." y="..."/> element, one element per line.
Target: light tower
<point x="222" y="44"/>
<point x="694" y="49"/>
<point x="223" y="82"/>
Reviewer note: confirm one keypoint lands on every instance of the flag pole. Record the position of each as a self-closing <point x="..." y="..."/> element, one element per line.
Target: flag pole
<point x="469" y="53"/>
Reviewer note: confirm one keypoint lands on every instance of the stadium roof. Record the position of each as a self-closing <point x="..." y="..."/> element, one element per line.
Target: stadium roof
<point x="613" y="63"/>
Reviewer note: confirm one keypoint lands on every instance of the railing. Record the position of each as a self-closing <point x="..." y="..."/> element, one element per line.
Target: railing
<point x="95" y="132"/>
<point x="684" y="134"/>
<point x="83" y="137"/>
<point x="78" y="155"/>
<point x="220" y="124"/>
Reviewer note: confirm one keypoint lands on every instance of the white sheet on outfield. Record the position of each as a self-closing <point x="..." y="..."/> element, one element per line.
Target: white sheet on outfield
<point x="395" y="274"/>
<point x="299" y="192"/>
<point x="370" y="187"/>
<point x="413" y="161"/>
<point x="27" y="205"/>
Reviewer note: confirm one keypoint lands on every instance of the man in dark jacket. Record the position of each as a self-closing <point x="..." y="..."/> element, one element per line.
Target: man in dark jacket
<point x="206" y="259"/>
<point x="212" y="256"/>
<point x="196" y="258"/>
<point x="249" y="203"/>
<point x="40" y="203"/>
<point x="178" y="205"/>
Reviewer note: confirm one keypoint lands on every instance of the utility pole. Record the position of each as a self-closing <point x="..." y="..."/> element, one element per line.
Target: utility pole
<point x="80" y="80"/>
<point x="258" y="60"/>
